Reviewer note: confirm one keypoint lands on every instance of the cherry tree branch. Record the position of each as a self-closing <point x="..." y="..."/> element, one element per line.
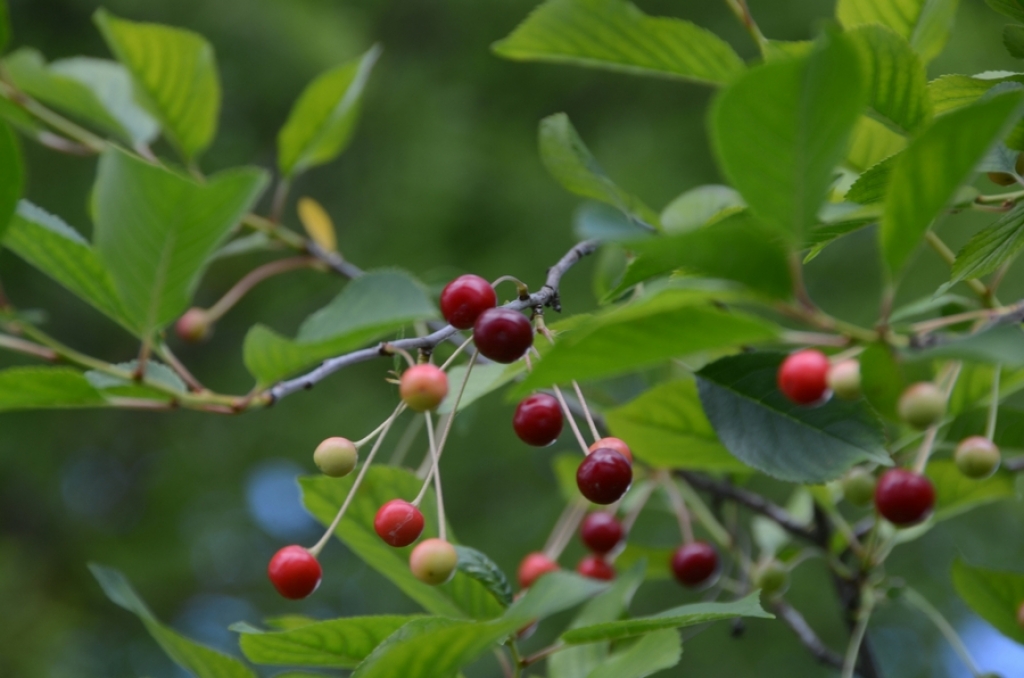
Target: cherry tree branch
<point x="796" y="622"/>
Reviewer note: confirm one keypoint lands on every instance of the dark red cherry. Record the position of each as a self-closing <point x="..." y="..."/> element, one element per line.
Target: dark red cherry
<point x="465" y="298"/>
<point x="595" y="567"/>
<point x="601" y="532"/>
<point x="538" y="420"/>
<point x="603" y="476"/>
<point x="903" y="497"/>
<point x="503" y="335"/>
<point x="695" y="563"/>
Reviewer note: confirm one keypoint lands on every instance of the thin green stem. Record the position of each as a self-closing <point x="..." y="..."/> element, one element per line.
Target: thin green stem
<point x="993" y="406"/>
<point x="442" y="527"/>
<point x="742" y="12"/>
<point x="586" y="411"/>
<point x="949" y="256"/>
<point x="678" y="507"/>
<point x="945" y="628"/>
<point x="58" y="122"/>
<point x="253" y="278"/>
<point x="704" y="515"/>
<point x="859" y="631"/>
<point x="928" y="444"/>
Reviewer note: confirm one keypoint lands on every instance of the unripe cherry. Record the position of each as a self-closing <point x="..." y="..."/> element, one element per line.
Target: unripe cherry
<point x="603" y="476"/>
<point x="904" y="497"/>
<point x="601" y="532"/>
<point x="465" y="298"/>
<point x="1005" y="178"/>
<point x="294" y="572"/>
<point x="423" y="387"/>
<point x="533" y="566"/>
<point x="977" y="457"/>
<point x="694" y="564"/>
<point x="503" y="335"/>
<point x="844" y="379"/>
<point x="433" y="561"/>
<point x="595" y="567"/>
<point x="772" y="578"/>
<point x="336" y="457"/>
<point x="193" y="326"/>
<point x="802" y="376"/>
<point x="398" y="523"/>
<point x="859" y="486"/>
<point x="538" y="420"/>
<point x="922" y="405"/>
<point x="616" y="444"/>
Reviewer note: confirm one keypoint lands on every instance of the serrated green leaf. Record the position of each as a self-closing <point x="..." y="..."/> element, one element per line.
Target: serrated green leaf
<point x="779" y="131"/>
<point x="871" y="143"/>
<point x="926" y="176"/>
<point x="677" y="617"/>
<point x="29" y="388"/>
<point x="652" y="653"/>
<point x="12" y="169"/>
<point x="156" y="231"/>
<point x="570" y="163"/>
<point x="926" y="24"/>
<point x="666" y="428"/>
<point x="667" y="325"/>
<point x="338" y="643"/>
<point x="1001" y="345"/>
<point x="764" y="429"/>
<point x="991" y="247"/>
<point x="873" y="184"/>
<point x="897" y="84"/>
<point x="700" y="206"/>
<point x="955" y="493"/>
<point x="615" y="35"/>
<point x="994" y="596"/>
<point x="1011" y="8"/>
<point x="156" y="373"/>
<point x="321" y="123"/>
<point x="59" y="251"/>
<point x="481" y="568"/>
<point x="199" y="660"/>
<point x="598" y="221"/>
<point x="175" y="76"/>
<point x="884" y="377"/>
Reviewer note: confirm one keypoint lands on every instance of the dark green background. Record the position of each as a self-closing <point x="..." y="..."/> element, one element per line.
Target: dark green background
<point x="443" y="177"/>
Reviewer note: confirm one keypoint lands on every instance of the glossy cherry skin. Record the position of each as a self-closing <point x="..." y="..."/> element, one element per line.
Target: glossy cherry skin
<point x="803" y="376"/>
<point x="601" y="532"/>
<point x="465" y="298"/>
<point x="433" y="561"/>
<point x="294" y="572"/>
<point x="695" y="563"/>
<point x="533" y="566"/>
<point x="922" y="405"/>
<point x="977" y="457"/>
<point x="336" y="457"/>
<point x="595" y="567"/>
<point x="423" y="387"/>
<point x="903" y="497"/>
<point x="398" y="523"/>
<point x="617" y="444"/>
<point x="603" y="476"/>
<point x="503" y="335"/>
<point x="538" y="420"/>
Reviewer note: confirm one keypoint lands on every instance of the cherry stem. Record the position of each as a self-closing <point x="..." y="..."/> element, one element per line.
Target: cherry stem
<point x="315" y="550"/>
<point x="915" y="599"/>
<point x="406" y="441"/>
<point x="586" y="411"/>
<point x="253" y="278"/>
<point x="859" y="631"/>
<point x="442" y="528"/>
<point x="280" y="200"/>
<point x="558" y="527"/>
<point x="179" y="368"/>
<point x="949" y="256"/>
<point x="679" y="506"/>
<point x="565" y="408"/>
<point x="718" y="533"/>
<point x="993" y="406"/>
<point x="543" y="653"/>
<point x="453" y="356"/>
<point x="28" y="348"/>
<point x="927" y="445"/>
<point x="574" y="516"/>
<point x="640" y="502"/>
<point x="392" y="350"/>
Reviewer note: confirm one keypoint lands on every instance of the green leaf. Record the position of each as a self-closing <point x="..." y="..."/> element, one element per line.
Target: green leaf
<point x="1001" y="345"/>
<point x="764" y="429"/>
<point x="1013" y="40"/>
<point x="663" y="326"/>
<point x="1011" y="8"/>
<point x="926" y="176"/>
<point x="700" y="206"/>
<point x="652" y="653"/>
<point x="156" y="373"/>
<point x="994" y="596"/>
<point x="59" y="251"/>
<point x="955" y="493"/>
<point x="551" y="594"/>
<point x="175" y="76"/>
<point x="370" y="307"/>
<point x="873" y="184"/>
<point x="677" y="617"/>
<point x="96" y="90"/>
<point x="339" y="643"/>
<point x="884" y="377"/>
<point x="321" y="123"/>
<point x="925" y="24"/>
<point x="484" y="379"/>
<point x="198" y="659"/>
<point x="666" y="428"/>
<point x="12" y="169"/>
<point x="780" y="130"/>
<point x="481" y="568"/>
<point x="897" y="83"/>
<point x="598" y="221"/>
<point x="991" y="247"/>
<point x="616" y="36"/>
<point x="156" y="230"/>
<point x="570" y="162"/>
<point x="871" y="143"/>
<point x="29" y="388"/>
<point x="658" y="559"/>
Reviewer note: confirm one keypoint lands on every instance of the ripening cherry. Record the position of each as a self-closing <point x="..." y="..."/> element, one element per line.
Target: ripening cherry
<point x="922" y="405"/>
<point x="503" y="335"/>
<point x="538" y="420"/>
<point x="433" y="561"/>
<point x="803" y="376"/>
<point x="336" y="457"/>
<point x="423" y="387"/>
<point x="844" y="379"/>
<point x="616" y="444"/>
<point x="398" y="523"/>
<point x="595" y="567"/>
<point x="772" y="578"/>
<point x="903" y="497"/>
<point x="193" y="326"/>
<point x="603" y="476"/>
<point x="977" y="457"/>
<point x="294" y="572"/>
<point x="695" y="563"/>
<point x="533" y="566"/>
<point x="859" y="486"/>
<point x="465" y="298"/>
<point x="601" y="532"/>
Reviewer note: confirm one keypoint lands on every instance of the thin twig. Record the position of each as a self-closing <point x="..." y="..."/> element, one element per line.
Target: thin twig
<point x="28" y="348"/>
<point x="810" y="640"/>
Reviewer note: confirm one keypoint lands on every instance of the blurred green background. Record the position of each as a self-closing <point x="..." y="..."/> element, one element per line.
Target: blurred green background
<point x="443" y="177"/>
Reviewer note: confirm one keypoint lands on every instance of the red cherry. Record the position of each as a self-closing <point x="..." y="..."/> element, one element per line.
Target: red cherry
<point x="503" y="335"/>
<point x="538" y="420"/>
<point x="533" y="566"/>
<point x="803" y="376"/>
<point x="904" y="497"/>
<point x="465" y="298"/>
<point x="604" y="476"/>
<point x="398" y="523"/>
<point x="601" y="532"/>
<point x="595" y="567"/>
<point x="694" y="563"/>
<point x="294" y="572"/>
<point x="616" y="444"/>
<point x="423" y="387"/>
